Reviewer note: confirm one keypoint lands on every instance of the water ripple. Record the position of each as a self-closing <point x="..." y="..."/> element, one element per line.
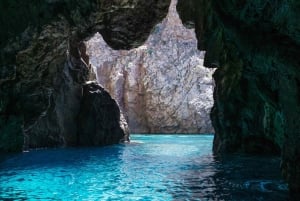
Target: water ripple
<point x="152" y="168"/>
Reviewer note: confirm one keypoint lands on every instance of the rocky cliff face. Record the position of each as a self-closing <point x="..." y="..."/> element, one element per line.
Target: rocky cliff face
<point x="45" y="99"/>
<point x="256" y="47"/>
<point x="161" y="86"/>
<point x="254" y="44"/>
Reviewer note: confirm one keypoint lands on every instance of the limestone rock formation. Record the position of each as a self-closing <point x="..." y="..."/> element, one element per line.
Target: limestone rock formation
<point x="256" y="47"/>
<point x="161" y="86"/>
<point x="44" y="67"/>
<point x="254" y="44"/>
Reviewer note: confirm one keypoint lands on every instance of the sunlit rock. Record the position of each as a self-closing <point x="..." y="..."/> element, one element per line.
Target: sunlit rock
<point x="161" y="86"/>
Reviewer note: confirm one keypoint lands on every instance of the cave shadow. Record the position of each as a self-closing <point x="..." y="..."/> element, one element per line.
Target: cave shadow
<point x="233" y="177"/>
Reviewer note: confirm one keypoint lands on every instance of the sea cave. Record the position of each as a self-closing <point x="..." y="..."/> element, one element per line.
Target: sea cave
<point x="149" y="100"/>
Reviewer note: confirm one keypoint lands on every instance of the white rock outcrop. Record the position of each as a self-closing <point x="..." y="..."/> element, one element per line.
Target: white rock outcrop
<point x="162" y="86"/>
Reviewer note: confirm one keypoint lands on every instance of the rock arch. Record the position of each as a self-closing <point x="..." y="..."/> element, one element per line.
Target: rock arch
<point x="44" y="69"/>
<point x="254" y="44"/>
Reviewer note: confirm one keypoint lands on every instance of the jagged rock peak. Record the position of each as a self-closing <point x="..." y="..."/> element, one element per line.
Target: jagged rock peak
<point x="161" y="86"/>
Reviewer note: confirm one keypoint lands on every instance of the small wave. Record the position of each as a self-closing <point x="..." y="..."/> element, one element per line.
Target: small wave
<point x="135" y="142"/>
<point x="265" y="185"/>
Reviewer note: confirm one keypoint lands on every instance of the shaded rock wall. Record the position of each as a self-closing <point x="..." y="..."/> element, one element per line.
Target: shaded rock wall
<point x="44" y="68"/>
<point x="256" y="47"/>
<point x="161" y="86"/>
<point x="97" y="118"/>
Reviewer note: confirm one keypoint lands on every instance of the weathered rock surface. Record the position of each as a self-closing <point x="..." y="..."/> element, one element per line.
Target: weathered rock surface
<point x="256" y="46"/>
<point x="44" y="67"/>
<point x="161" y="86"/>
<point x="97" y="118"/>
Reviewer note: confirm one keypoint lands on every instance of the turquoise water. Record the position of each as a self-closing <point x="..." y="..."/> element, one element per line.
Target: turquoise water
<point x="152" y="167"/>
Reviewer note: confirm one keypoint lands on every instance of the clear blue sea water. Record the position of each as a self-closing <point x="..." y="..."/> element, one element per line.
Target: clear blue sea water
<point x="151" y="167"/>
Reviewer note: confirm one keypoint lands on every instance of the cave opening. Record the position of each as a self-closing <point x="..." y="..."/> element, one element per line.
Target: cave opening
<point x="47" y="99"/>
<point x="162" y="85"/>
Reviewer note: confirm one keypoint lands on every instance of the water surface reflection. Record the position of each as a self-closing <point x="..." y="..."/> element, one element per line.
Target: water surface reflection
<point x="233" y="177"/>
<point x="152" y="167"/>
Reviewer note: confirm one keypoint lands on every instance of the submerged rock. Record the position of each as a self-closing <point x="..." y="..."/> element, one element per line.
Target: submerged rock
<point x="161" y="86"/>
